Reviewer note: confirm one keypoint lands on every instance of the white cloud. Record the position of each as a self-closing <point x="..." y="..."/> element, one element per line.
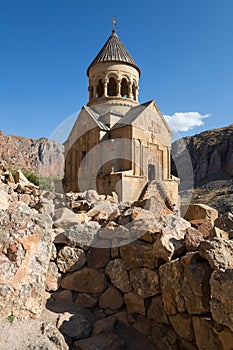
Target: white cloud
<point x="184" y="121"/>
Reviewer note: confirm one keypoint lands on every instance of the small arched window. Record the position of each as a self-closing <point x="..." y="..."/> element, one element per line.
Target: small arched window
<point x="124" y="88"/>
<point x="100" y="89"/>
<point x="112" y="87"/>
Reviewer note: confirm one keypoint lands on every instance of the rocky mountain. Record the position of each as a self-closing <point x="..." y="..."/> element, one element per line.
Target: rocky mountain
<point x="211" y="154"/>
<point x="205" y="162"/>
<point x="41" y="156"/>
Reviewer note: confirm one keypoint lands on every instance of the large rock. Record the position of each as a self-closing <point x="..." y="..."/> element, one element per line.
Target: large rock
<point x="171" y="240"/>
<point x="222" y="297"/>
<point x="138" y="254"/>
<point x="145" y="282"/>
<point x="104" y="325"/>
<point x="205" y="335"/>
<point x="74" y="325"/>
<point x="100" y="342"/>
<point x="98" y="257"/>
<point x="171" y="277"/>
<point x="111" y="299"/>
<point x="118" y="275"/>
<point x="156" y="311"/>
<point x="64" y="217"/>
<point x="85" y="280"/>
<point x="193" y="238"/>
<point x="25" y="248"/>
<point x="201" y="212"/>
<point x="196" y="289"/>
<point x="83" y="234"/>
<point x="218" y="252"/>
<point x="182" y="325"/>
<point x="225" y="223"/>
<point x="134" y="303"/>
<point x="143" y="225"/>
<point x="70" y="259"/>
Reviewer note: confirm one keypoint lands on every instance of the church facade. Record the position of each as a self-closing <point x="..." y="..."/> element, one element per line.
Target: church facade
<point x="116" y="143"/>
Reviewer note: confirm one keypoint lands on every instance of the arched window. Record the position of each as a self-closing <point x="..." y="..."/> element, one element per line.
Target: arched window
<point x="100" y="89"/>
<point x="112" y="87"/>
<point x="134" y="90"/>
<point x="124" y="88"/>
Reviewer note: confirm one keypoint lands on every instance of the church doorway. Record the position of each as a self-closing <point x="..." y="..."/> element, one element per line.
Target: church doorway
<point x="151" y="172"/>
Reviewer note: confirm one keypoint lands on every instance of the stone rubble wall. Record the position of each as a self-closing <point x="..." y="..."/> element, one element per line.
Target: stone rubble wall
<point x="113" y="269"/>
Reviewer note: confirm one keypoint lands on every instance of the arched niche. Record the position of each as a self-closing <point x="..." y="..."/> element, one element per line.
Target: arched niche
<point x="124" y="88"/>
<point x="100" y="88"/>
<point x="112" y="87"/>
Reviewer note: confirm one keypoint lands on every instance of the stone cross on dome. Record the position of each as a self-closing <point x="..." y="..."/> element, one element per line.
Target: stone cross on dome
<point x="114" y="22"/>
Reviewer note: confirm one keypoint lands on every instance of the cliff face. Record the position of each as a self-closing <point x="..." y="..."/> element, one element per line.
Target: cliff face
<point x="211" y="154"/>
<point x="42" y="156"/>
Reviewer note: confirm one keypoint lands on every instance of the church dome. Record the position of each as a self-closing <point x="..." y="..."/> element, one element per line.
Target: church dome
<point x="114" y="51"/>
<point x="113" y="75"/>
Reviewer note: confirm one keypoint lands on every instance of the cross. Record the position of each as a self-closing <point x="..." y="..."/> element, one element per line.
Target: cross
<point x="114" y="22"/>
<point x="154" y="129"/>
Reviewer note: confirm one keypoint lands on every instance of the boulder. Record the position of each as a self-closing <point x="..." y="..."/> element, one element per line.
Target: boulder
<point x="70" y="259"/>
<point x="205" y="335"/>
<point x="74" y="325"/>
<point x="85" y="280"/>
<point x="25" y="250"/>
<point x="145" y="282"/>
<point x="114" y="231"/>
<point x="156" y="311"/>
<point x="101" y="207"/>
<point x="171" y="277"/>
<point x="91" y="196"/>
<point x="221" y="304"/>
<point x="171" y="241"/>
<point x="111" y="299"/>
<point x="204" y="226"/>
<point x="134" y="303"/>
<point x="104" y="325"/>
<point x="118" y="275"/>
<point x="182" y="325"/>
<point x="201" y="211"/>
<point x="218" y="252"/>
<point x="225" y="223"/>
<point x="143" y="324"/>
<point x="138" y="254"/>
<point x="64" y="217"/>
<point x="86" y="300"/>
<point x="196" y="289"/>
<point x="83" y="234"/>
<point x="192" y="239"/>
<point x="98" y="257"/>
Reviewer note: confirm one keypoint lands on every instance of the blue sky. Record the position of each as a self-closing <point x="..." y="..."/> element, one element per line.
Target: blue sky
<point x="183" y="48"/>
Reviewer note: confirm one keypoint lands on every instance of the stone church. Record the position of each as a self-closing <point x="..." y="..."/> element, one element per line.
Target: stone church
<point x="118" y="144"/>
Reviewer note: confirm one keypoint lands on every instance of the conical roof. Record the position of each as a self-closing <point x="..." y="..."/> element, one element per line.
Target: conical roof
<point x="114" y="51"/>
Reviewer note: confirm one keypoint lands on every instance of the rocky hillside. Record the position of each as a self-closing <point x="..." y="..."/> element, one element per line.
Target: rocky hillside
<point x="42" y="156"/>
<point x="211" y="154"/>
